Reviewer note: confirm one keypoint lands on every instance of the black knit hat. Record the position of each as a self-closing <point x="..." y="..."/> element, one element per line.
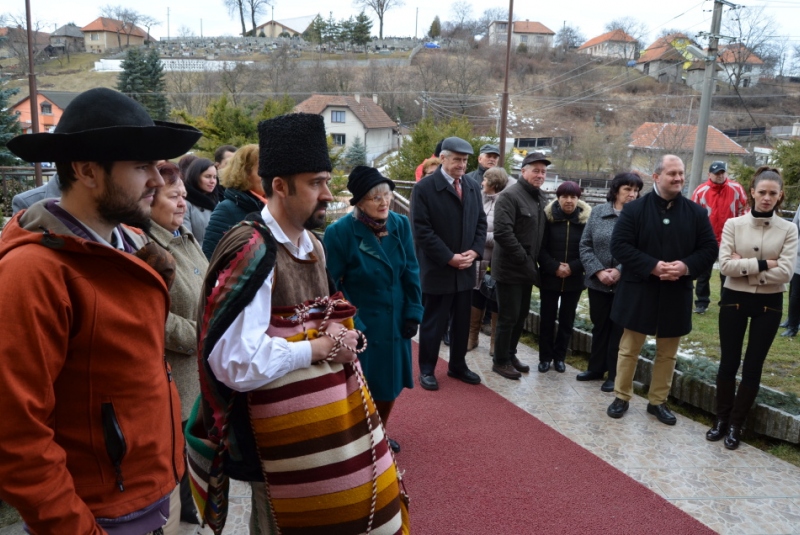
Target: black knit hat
<point x="362" y="179"/>
<point x="291" y="144"/>
<point x="104" y="125"/>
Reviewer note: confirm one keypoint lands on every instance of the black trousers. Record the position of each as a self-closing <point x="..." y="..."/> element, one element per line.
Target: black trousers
<point x="764" y="313"/>
<point x="438" y="308"/>
<point x="605" y="334"/>
<point x="793" y="321"/>
<point x="481" y="302"/>
<point x="550" y="347"/>
<point x="513" y="304"/>
<point x="702" y="288"/>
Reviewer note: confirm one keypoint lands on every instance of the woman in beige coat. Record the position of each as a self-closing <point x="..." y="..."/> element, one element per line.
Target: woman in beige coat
<point x="757" y="256"/>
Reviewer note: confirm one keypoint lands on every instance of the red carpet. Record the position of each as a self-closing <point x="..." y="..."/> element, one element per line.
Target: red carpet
<point x="476" y="464"/>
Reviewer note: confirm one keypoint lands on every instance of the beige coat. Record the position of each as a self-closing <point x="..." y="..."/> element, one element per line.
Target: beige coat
<point x="757" y="239"/>
<point x="181" y="329"/>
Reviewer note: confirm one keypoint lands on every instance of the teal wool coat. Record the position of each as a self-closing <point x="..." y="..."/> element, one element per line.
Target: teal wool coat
<point x="381" y="278"/>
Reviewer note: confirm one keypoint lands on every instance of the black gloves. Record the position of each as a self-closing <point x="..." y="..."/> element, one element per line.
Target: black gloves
<point x="409" y="328"/>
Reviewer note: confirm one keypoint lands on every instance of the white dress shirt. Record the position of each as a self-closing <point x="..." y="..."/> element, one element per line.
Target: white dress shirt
<point x="245" y="357"/>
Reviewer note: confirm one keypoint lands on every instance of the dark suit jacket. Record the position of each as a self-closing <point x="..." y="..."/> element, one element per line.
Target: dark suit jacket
<point x="646" y="233"/>
<point x="444" y="226"/>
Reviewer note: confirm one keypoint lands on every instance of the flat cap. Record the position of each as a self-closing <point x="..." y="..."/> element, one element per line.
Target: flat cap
<point x="456" y="144"/>
<point x="535" y="157"/>
<point x="490" y="149"/>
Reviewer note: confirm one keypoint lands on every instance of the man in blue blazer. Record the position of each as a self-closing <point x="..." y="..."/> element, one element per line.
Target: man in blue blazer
<point x="449" y="228"/>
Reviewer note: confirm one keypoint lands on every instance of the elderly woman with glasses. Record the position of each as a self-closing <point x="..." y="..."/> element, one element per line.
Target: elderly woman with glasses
<point x="371" y="258"/>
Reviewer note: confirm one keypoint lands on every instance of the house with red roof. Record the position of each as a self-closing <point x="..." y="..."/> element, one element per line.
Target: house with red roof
<point x="650" y="141"/>
<point x="740" y="67"/>
<point x="530" y="34"/>
<point x="613" y="44"/>
<point x="348" y="117"/>
<point x="104" y="34"/>
<point x="668" y="58"/>
<point x="51" y="106"/>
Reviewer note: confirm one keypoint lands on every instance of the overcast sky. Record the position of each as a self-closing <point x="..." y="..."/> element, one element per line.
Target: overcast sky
<point x="588" y="15"/>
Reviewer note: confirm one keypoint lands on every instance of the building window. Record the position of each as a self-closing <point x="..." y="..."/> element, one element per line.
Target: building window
<point x="337" y="116"/>
<point x="748" y="68"/>
<point x="501" y="27"/>
<point x="47" y="108"/>
<point x="746" y="82"/>
<point x="339" y="139"/>
<point x="539" y="39"/>
<point x="523" y="38"/>
<point x="95" y="37"/>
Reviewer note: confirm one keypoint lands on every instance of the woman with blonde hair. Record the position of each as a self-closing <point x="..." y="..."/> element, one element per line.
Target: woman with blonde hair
<point x="756" y="255"/>
<point x="243" y="195"/>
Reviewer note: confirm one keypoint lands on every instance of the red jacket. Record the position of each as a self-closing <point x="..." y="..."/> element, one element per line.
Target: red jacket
<point x="723" y="201"/>
<point x="81" y="342"/>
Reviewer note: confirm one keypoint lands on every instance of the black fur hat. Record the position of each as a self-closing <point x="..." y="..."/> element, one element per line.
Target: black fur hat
<point x="104" y="125"/>
<point x="362" y="179"/>
<point x="291" y="144"/>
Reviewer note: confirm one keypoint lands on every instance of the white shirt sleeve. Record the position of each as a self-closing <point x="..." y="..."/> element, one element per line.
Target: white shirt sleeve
<point x="246" y="358"/>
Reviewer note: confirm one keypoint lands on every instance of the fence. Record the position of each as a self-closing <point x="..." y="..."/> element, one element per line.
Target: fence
<point x="16" y="180"/>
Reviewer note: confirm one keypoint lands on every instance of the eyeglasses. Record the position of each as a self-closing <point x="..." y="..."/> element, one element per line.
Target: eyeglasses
<point x="378" y="199"/>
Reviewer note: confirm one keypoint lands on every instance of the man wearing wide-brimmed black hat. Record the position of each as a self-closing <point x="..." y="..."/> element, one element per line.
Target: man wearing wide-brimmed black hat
<point x="91" y="438"/>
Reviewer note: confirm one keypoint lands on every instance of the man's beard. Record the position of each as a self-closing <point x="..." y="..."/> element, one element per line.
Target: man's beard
<point x="115" y="208"/>
<point x="316" y="221"/>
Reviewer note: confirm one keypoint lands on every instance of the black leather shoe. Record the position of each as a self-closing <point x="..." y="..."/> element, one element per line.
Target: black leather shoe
<point x="608" y="386"/>
<point x="784" y="324"/>
<point x="589" y="375"/>
<point x="468" y="376"/>
<point x="663" y="413"/>
<point x="428" y="382"/>
<point x="446" y="339"/>
<point x="518" y="365"/>
<point x="718" y="431"/>
<point x="733" y="437"/>
<point x="791" y="332"/>
<point x="559" y="366"/>
<point x="544" y="366"/>
<point x="617" y="408"/>
<point x="394" y="445"/>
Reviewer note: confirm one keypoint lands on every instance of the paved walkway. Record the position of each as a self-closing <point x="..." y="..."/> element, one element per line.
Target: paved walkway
<point x="733" y="492"/>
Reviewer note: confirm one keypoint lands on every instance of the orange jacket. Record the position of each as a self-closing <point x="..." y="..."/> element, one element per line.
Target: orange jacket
<point x="81" y="336"/>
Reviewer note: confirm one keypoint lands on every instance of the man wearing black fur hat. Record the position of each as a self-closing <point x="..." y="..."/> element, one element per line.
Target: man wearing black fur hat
<point x="91" y="439"/>
<point x="251" y="365"/>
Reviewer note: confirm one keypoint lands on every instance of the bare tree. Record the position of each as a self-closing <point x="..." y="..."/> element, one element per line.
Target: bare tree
<point x="462" y="12"/>
<point x="17" y="39"/>
<point x="753" y="31"/>
<point x="184" y="32"/>
<point x="569" y="37"/>
<point x="148" y="22"/>
<point x="796" y="60"/>
<point x="488" y="17"/>
<point x="634" y="28"/>
<point x="234" y="7"/>
<point x="257" y="7"/>
<point x="127" y="18"/>
<point x="380" y="7"/>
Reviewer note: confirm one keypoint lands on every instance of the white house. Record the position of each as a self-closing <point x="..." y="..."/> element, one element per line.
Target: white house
<point x="613" y="44"/>
<point x="739" y="64"/>
<point x="531" y="34"/>
<point x="347" y="117"/>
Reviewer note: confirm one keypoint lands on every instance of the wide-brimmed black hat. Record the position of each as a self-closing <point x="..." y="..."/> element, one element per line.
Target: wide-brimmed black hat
<point x="291" y="144"/>
<point x="104" y="125"/>
<point x="362" y="179"/>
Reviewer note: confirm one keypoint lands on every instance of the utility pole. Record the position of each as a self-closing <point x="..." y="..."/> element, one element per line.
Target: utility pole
<point x="416" y="23"/>
<point x="504" y="105"/>
<point x="708" y="93"/>
<point x="424" y="104"/>
<point x="33" y="97"/>
<point x="167" y="26"/>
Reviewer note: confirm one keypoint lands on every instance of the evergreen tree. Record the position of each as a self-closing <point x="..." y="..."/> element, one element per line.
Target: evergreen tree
<point x="330" y="32"/>
<point x="131" y="79"/>
<point x="313" y="33"/>
<point x="155" y="101"/>
<point x="9" y="125"/>
<point x="361" y="31"/>
<point x="436" y="28"/>
<point x="356" y="154"/>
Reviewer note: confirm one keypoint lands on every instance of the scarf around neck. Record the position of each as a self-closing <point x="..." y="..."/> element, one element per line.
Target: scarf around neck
<point x="377" y="227"/>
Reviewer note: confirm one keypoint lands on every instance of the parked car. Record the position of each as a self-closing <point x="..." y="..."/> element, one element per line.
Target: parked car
<point x="432" y="45"/>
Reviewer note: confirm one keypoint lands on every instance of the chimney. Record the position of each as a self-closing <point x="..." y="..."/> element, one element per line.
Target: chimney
<point x="357" y="96"/>
<point x="375" y="98"/>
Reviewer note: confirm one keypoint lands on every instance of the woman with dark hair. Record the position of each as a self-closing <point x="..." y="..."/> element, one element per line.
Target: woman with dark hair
<point x="602" y="275"/>
<point x="757" y="255"/>
<point x="372" y="260"/>
<point x="561" y="273"/>
<point x="201" y="196"/>
<point x="243" y="195"/>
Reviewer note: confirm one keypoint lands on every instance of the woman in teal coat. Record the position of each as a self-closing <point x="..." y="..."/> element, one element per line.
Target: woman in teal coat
<point x="371" y="258"/>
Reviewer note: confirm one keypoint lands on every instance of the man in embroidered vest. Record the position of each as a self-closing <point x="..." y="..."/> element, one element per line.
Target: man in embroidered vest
<point x="288" y="427"/>
<point x="91" y="439"/>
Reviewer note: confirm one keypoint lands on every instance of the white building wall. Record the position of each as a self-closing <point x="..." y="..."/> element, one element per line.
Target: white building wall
<point x="379" y="140"/>
<point x="351" y="127"/>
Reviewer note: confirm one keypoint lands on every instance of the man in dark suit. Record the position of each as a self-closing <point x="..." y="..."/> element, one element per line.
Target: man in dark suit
<point x="663" y="240"/>
<point x="449" y="228"/>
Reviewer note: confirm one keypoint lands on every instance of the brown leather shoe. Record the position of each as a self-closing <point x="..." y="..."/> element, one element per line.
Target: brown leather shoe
<point x="506" y="370"/>
<point x="518" y="365"/>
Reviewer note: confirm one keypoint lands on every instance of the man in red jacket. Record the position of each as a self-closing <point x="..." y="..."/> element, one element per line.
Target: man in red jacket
<point x="724" y="199"/>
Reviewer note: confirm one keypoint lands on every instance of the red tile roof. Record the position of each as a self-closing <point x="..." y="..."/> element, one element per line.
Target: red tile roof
<point x="615" y="35"/>
<point x="738" y="53"/>
<point x="681" y="137"/>
<point x="103" y="24"/>
<point x="370" y="114"/>
<point x="662" y="49"/>
<point x="532" y="27"/>
<point x="19" y="35"/>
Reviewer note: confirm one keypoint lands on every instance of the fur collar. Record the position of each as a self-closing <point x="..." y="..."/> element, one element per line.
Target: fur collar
<point x="583" y="209"/>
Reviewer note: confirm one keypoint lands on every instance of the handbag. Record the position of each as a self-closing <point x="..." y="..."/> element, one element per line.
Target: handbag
<point x="488" y="287"/>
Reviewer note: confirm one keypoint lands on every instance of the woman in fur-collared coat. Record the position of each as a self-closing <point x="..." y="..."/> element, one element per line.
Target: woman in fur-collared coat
<point x="561" y="273"/>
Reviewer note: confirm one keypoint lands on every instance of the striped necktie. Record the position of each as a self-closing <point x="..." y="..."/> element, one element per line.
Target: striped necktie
<point x="457" y="186"/>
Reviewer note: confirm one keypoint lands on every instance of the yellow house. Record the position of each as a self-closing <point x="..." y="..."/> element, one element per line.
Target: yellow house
<point x="103" y="34"/>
